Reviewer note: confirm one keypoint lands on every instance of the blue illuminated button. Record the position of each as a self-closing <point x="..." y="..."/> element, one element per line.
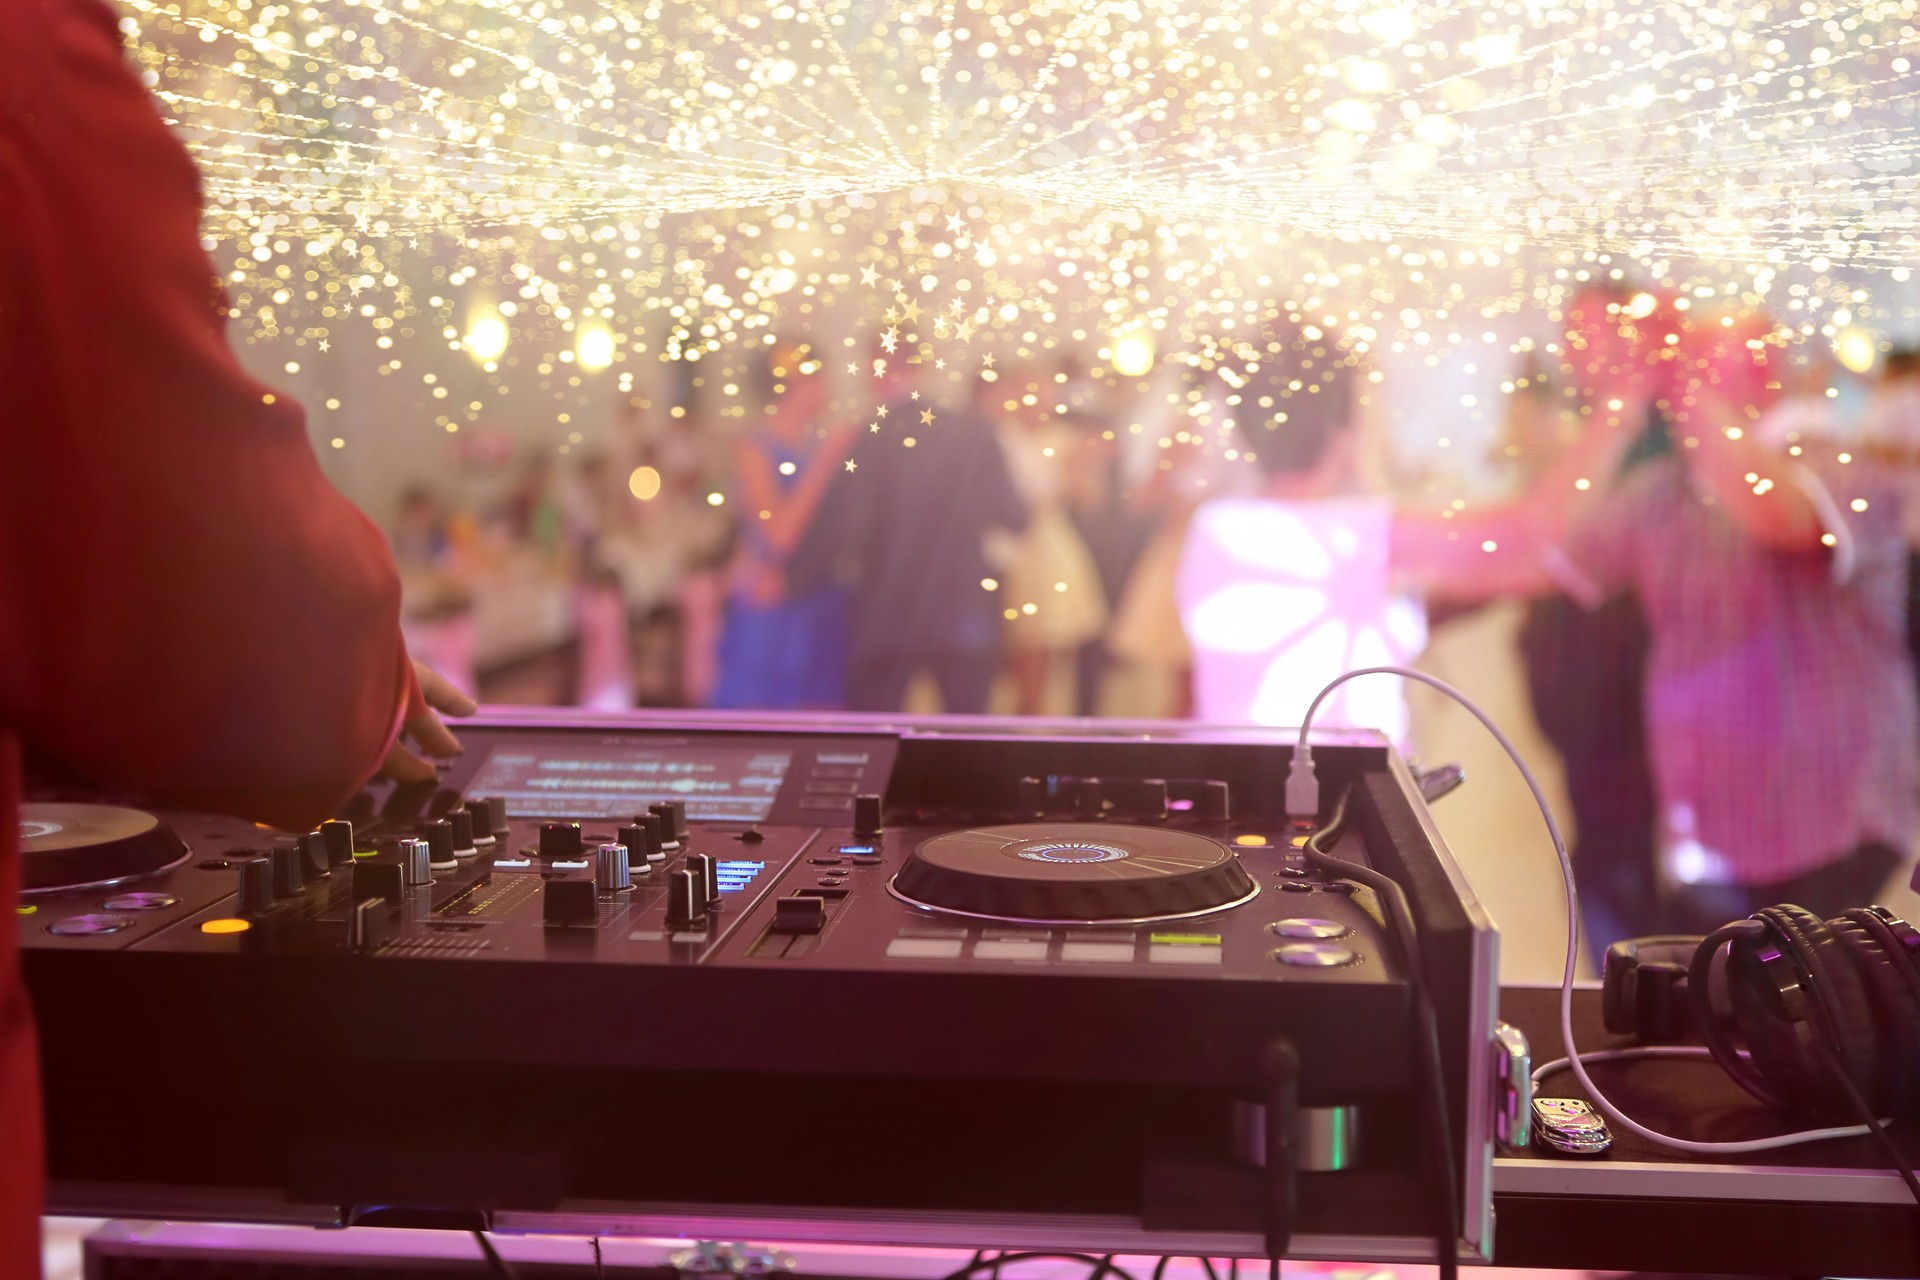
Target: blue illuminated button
<point x="858" y="850"/>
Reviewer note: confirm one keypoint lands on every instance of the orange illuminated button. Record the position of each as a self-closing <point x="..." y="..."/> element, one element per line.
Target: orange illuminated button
<point x="1251" y="842"/>
<point x="227" y="924"/>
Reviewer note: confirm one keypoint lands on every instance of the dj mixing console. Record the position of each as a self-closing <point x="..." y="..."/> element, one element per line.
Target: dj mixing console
<point x="957" y="982"/>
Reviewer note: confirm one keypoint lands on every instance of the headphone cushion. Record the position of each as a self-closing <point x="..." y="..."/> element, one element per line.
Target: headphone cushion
<point x="1893" y="987"/>
<point x="1846" y="1011"/>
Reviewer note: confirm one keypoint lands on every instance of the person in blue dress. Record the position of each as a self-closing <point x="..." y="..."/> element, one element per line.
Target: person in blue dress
<point x="784" y="642"/>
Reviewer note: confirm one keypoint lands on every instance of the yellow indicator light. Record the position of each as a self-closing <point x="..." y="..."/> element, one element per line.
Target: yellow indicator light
<point x="27" y="911"/>
<point x="366" y="853"/>
<point x="1251" y="842"/>
<point x="1300" y="842"/>
<point x="1185" y="939"/>
<point x="230" y="924"/>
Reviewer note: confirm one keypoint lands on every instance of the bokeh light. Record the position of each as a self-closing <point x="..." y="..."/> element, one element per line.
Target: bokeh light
<point x="958" y="178"/>
<point x="644" y="483"/>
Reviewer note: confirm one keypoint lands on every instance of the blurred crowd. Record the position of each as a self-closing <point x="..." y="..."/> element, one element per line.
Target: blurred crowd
<point x="1715" y="534"/>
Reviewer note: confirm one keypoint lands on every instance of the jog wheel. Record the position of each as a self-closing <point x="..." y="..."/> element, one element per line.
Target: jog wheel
<point x="90" y="846"/>
<point x="1073" y="873"/>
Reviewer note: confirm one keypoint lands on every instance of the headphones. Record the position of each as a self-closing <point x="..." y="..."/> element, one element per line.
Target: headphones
<point x="1783" y="999"/>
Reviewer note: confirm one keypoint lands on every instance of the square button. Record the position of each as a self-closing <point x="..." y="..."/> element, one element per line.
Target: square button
<point x="1029" y="950"/>
<point x="1168" y="953"/>
<point x="1097" y="952"/>
<point x="925" y="948"/>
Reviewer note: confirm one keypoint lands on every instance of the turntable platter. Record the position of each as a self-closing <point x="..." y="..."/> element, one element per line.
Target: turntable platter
<point x="1073" y="873"/>
<point x="77" y="846"/>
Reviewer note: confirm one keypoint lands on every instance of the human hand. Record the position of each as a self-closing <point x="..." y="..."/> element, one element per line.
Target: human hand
<point x="426" y="730"/>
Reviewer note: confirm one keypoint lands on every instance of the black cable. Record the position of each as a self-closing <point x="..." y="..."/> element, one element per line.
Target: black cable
<point x="1211" y="1273"/>
<point x="1439" y="1127"/>
<point x="495" y="1263"/>
<point x="1160" y="1268"/>
<point x="599" y="1263"/>
<point x="1273" y="1269"/>
<point x="1865" y="1112"/>
<point x="1103" y="1266"/>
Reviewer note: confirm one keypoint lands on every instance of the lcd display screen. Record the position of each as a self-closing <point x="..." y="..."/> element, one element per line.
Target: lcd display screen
<point x="562" y="779"/>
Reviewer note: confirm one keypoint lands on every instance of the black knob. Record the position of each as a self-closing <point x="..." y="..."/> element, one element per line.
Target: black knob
<point x="461" y="821"/>
<point x="706" y="870"/>
<point x="570" y="902"/>
<point x="439" y="836"/>
<point x="673" y="821"/>
<point x="642" y="838"/>
<point x="253" y="895"/>
<point x="560" y="840"/>
<point x="685" y="899"/>
<point x="493" y="813"/>
<point x="313" y="855"/>
<point x="287" y="880"/>
<point x="866" y="816"/>
<point x="383" y="880"/>
<point x="339" y="837"/>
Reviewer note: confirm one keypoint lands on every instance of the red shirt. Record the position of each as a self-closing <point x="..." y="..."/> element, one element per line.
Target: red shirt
<point x="188" y="609"/>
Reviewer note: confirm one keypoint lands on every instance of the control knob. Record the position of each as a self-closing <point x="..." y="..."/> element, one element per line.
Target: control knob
<point x="461" y="823"/>
<point x="706" y="869"/>
<point x="866" y="816"/>
<point x="643" y="841"/>
<point x="313" y="855"/>
<point x="686" y="899"/>
<point x="491" y="819"/>
<point x="673" y="822"/>
<point x="338" y="834"/>
<point x="253" y="896"/>
<point x="560" y="840"/>
<point x="439" y="837"/>
<point x="416" y="864"/>
<point x="287" y="880"/>
<point x="611" y="872"/>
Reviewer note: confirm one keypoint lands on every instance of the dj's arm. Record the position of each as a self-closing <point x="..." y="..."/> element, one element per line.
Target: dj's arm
<point x="188" y="608"/>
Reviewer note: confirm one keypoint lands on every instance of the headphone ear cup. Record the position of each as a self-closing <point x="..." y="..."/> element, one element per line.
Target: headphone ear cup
<point x="1838" y="1010"/>
<point x="1641" y="991"/>
<point x="1893" y="990"/>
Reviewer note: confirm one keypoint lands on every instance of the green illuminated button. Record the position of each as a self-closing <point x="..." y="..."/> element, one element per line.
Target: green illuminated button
<point x="1185" y="939"/>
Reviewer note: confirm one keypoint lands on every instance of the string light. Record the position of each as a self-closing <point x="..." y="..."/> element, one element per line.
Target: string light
<point x="966" y="176"/>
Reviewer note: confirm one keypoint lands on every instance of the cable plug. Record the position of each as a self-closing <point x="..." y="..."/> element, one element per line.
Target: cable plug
<point x="1303" y="789"/>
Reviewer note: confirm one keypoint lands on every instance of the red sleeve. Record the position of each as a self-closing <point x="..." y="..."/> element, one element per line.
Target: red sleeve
<point x="187" y="607"/>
